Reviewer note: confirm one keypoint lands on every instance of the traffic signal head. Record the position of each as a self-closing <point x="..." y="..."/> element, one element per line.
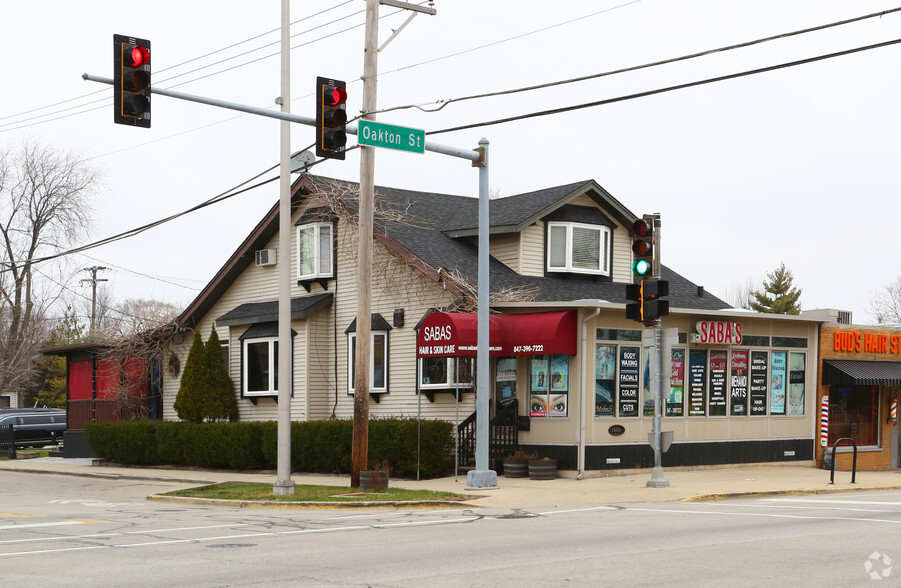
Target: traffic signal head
<point x="131" y="81"/>
<point x="647" y="304"/>
<point x="331" y="118"/>
<point x="643" y="247"/>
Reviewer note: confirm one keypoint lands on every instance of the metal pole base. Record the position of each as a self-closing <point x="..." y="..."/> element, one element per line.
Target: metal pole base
<point x="283" y="488"/>
<point x="657" y="480"/>
<point x="481" y="480"/>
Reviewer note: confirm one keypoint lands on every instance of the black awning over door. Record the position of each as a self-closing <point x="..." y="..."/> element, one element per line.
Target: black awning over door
<point x="859" y="372"/>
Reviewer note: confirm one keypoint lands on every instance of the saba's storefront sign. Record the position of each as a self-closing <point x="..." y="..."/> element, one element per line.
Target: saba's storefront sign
<point x="718" y="333"/>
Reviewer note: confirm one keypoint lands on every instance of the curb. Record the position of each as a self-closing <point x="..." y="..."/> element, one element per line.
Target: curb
<point x="107" y="476"/>
<point x="757" y="494"/>
<point x="279" y="504"/>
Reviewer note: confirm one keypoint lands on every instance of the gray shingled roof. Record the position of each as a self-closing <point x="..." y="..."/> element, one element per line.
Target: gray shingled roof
<point x="432" y="216"/>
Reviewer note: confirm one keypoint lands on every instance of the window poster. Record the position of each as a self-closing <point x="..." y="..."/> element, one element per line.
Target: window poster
<point x="647" y="396"/>
<point x="605" y="380"/>
<point x="796" y="376"/>
<point x="777" y="384"/>
<point x="538" y="397"/>
<point x="674" y="402"/>
<point x="559" y="373"/>
<point x="697" y="382"/>
<point x="538" y="404"/>
<point x="716" y="405"/>
<point x="628" y="381"/>
<point x="559" y="380"/>
<point x="539" y="373"/>
<point x="506" y="379"/>
<point x="739" y="383"/>
<point x="757" y="389"/>
<point x="557" y="405"/>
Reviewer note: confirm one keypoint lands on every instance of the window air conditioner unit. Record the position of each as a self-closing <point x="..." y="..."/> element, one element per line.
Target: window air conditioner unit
<point x="266" y="257"/>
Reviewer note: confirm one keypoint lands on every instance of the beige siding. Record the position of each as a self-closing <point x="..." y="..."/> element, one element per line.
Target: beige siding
<point x="532" y="250"/>
<point x="622" y="254"/>
<point x="505" y="248"/>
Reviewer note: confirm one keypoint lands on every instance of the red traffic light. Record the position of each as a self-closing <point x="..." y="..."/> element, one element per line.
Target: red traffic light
<point x="140" y="55"/>
<point x="335" y="96"/>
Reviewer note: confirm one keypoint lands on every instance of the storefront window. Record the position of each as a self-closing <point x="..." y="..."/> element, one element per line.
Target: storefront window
<point x="505" y="380"/>
<point x="628" y="380"/>
<point x="739" y="384"/>
<point x="605" y="381"/>
<point x="697" y="382"/>
<point x="853" y="412"/>
<point x="675" y="401"/>
<point x="777" y="383"/>
<point x="796" y="376"/>
<point x="716" y="403"/>
<point x="445" y="372"/>
<point x="757" y="389"/>
<point x="549" y="386"/>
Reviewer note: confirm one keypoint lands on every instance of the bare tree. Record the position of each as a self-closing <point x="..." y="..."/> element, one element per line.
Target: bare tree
<point x="738" y="294"/>
<point x="44" y="206"/>
<point x="885" y="304"/>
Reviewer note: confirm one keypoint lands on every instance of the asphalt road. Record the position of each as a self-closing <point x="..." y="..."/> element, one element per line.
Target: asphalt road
<point x="74" y="531"/>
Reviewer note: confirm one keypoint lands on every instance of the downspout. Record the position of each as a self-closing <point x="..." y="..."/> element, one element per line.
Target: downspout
<point x="583" y="411"/>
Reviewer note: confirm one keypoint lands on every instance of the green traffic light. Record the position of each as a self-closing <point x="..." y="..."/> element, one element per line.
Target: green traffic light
<point x="641" y="267"/>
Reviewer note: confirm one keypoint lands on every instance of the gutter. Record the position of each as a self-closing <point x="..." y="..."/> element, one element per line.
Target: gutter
<point x="582" y="411"/>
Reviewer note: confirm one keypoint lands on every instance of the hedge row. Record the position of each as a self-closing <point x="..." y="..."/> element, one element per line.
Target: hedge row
<point x="316" y="446"/>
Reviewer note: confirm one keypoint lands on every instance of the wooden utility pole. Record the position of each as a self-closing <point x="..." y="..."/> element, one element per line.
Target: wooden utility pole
<point x="94" y="279"/>
<point x="360" y="447"/>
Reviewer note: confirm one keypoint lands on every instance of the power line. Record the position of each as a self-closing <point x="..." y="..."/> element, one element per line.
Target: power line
<point x="193" y="59"/>
<point x="221" y="197"/>
<point x="668" y="88"/>
<point x="743" y="45"/>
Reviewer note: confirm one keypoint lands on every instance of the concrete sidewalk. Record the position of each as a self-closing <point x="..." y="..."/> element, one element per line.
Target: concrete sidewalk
<point x="684" y="484"/>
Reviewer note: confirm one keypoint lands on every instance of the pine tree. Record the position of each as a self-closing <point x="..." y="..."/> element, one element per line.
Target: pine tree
<point x="778" y="295"/>
<point x="194" y="384"/>
<point x="221" y="404"/>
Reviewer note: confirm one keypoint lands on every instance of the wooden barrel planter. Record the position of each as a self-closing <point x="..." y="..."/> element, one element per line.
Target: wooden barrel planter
<point x="543" y="469"/>
<point x="516" y="469"/>
<point x="373" y="480"/>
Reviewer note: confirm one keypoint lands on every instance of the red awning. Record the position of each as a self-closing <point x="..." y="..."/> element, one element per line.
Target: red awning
<point x="444" y="334"/>
<point x="454" y="334"/>
<point x="540" y="333"/>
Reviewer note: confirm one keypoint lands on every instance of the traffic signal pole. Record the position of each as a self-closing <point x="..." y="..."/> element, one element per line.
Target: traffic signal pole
<point x="482" y="477"/>
<point x="658" y="362"/>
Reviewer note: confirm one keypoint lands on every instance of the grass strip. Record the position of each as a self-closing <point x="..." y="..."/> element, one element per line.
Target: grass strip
<point x="310" y="493"/>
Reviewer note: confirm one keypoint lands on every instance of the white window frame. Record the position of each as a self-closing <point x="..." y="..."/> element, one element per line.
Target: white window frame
<point x="323" y="261"/>
<point x="351" y="360"/>
<point x="567" y="266"/>
<point x="451" y="375"/>
<point x="273" y="364"/>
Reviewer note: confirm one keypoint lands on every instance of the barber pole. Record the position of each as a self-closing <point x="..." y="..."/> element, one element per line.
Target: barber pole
<point x="824" y="422"/>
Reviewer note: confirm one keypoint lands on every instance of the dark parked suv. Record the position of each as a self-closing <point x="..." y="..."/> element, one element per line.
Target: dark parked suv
<point x="35" y="427"/>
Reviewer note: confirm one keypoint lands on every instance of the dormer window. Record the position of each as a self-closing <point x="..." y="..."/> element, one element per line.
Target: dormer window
<point x="578" y="248"/>
<point x="314" y="251"/>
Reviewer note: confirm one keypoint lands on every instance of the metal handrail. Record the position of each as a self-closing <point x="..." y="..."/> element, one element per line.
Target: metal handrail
<point x="853" y="463"/>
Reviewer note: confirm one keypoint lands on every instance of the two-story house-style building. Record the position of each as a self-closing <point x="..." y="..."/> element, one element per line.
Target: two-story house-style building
<point x="569" y="372"/>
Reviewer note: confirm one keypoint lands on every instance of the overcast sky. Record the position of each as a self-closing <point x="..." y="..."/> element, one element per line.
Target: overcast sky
<point x="798" y="165"/>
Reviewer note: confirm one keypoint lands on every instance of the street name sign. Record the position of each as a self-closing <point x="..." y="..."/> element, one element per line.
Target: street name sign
<point x="376" y="134"/>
